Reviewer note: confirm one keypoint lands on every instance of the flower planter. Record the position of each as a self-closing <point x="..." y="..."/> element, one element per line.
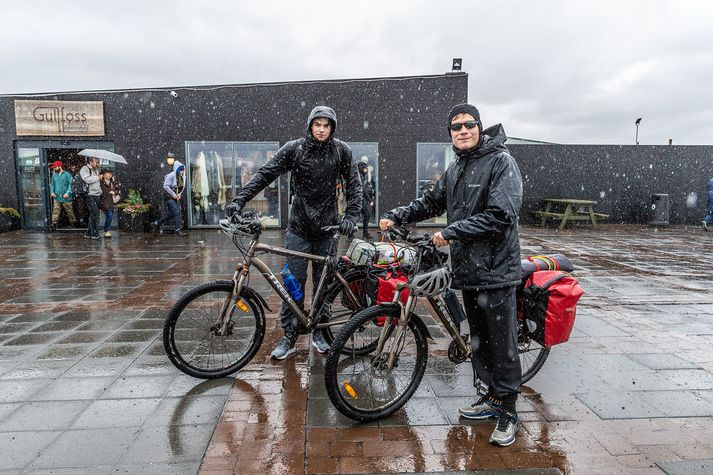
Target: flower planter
<point x="7" y="222"/>
<point x="133" y="223"/>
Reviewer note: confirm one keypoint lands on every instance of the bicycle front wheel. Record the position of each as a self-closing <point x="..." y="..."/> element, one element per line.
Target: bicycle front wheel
<point x="532" y="354"/>
<point x="192" y="334"/>
<point x="366" y="387"/>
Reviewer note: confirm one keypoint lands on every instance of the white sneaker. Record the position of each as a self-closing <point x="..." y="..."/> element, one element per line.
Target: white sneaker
<point x="705" y="226"/>
<point x="319" y="342"/>
<point x="283" y="349"/>
<point x="107" y="234"/>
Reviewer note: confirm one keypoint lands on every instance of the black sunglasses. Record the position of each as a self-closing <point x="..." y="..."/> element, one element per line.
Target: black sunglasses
<point x="468" y="125"/>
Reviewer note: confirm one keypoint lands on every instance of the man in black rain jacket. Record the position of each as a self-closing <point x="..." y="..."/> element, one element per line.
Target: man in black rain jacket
<point x="316" y="162"/>
<point x="481" y="193"/>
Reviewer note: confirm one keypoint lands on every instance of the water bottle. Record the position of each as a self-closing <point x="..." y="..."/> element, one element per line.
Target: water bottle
<point x="454" y="306"/>
<point x="291" y="283"/>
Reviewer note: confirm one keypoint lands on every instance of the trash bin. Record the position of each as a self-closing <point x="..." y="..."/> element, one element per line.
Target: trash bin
<point x="658" y="211"/>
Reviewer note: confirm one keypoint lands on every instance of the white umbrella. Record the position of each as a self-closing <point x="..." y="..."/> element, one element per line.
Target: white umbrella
<point x="103" y="155"/>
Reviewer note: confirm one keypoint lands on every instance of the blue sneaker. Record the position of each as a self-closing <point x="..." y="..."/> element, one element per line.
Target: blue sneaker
<point x="284" y="348"/>
<point x="483" y="409"/>
<point x="505" y="429"/>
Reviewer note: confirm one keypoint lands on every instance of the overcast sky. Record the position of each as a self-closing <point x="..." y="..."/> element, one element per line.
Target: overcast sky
<point x="560" y="71"/>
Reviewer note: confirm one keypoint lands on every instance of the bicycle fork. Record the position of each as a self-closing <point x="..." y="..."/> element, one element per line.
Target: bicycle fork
<point x="231" y="300"/>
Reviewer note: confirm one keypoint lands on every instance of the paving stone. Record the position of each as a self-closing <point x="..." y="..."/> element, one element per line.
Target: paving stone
<point x="82" y="448"/>
<point x="687" y="467"/>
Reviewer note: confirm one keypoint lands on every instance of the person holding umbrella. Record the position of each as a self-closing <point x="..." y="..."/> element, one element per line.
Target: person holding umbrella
<point x="90" y="176"/>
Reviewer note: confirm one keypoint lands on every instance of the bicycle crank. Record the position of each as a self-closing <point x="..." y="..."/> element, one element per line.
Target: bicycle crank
<point x="455" y="354"/>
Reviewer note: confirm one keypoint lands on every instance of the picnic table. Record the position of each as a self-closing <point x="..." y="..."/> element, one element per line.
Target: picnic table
<point x="574" y="210"/>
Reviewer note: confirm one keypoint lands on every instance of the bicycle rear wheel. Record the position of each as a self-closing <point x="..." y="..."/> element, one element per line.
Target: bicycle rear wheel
<point x="362" y="387"/>
<point x="342" y="308"/>
<point x="532" y="354"/>
<point x="191" y="335"/>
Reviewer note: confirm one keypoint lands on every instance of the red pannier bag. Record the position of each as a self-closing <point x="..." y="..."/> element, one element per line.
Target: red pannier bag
<point x="386" y="288"/>
<point x="549" y="301"/>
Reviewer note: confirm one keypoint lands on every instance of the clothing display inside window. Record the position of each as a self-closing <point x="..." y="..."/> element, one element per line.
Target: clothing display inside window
<point x="208" y="187"/>
<point x="217" y="171"/>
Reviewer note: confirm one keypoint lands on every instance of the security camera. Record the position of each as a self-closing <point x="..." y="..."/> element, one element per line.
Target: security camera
<point x="174" y="93"/>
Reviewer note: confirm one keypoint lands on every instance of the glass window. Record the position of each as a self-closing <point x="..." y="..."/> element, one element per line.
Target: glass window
<point x="432" y="160"/>
<point x="216" y="173"/>
<point x="368" y="153"/>
<point x="32" y="189"/>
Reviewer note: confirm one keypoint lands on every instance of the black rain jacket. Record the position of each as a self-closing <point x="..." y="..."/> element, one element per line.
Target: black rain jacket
<point x="481" y="193"/>
<point x="315" y="168"/>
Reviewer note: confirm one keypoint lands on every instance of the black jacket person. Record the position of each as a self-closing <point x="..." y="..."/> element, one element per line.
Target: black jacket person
<point x="316" y="162"/>
<point x="481" y="193"/>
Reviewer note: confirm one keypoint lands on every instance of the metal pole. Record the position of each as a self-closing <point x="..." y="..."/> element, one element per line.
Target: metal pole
<point x="637" y="134"/>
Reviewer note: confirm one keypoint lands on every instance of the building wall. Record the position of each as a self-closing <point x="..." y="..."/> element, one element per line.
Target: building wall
<point x="397" y="113"/>
<point x="621" y="178"/>
<point x="144" y="125"/>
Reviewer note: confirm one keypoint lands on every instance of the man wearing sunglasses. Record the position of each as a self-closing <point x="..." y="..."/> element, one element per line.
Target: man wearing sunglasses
<point x="481" y="192"/>
<point x="316" y="162"/>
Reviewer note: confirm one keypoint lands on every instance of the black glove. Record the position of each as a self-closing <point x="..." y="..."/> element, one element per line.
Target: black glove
<point x="233" y="211"/>
<point x="347" y="226"/>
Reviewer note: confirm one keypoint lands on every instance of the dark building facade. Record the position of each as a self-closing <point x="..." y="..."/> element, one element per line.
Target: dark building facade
<point x="395" y="125"/>
<point x="223" y="133"/>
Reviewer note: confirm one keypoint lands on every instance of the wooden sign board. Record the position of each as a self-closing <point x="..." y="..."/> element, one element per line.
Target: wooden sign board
<point x="59" y="118"/>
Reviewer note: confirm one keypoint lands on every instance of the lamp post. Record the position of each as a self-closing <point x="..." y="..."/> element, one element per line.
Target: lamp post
<point x="638" y="121"/>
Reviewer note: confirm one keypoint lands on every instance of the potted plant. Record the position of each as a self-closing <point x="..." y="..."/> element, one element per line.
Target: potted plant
<point x="134" y="213"/>
<point x="9" y="219"/>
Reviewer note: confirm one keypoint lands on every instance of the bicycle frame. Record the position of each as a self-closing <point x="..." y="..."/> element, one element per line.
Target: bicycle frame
<point x="309" y="320"/>
<point x="442" y="312"/>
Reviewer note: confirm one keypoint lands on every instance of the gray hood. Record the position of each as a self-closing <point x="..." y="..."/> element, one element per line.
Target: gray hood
<point x="325" y="112"/>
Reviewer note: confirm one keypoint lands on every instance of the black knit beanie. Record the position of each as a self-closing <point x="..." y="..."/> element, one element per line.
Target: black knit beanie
<point x="464" y="109"/>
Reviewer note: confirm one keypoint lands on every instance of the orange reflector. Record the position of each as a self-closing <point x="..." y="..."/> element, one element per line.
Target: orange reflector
<point x="242" y="305"/>
<point x="350" y="390"/>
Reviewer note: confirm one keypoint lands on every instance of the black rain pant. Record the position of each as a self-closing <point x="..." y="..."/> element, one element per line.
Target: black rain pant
<point x="492" y="317"/>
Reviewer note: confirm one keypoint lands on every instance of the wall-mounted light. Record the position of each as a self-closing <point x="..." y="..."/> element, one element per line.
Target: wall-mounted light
<point x="170" y="158"/>
<point x="173" y="93"/>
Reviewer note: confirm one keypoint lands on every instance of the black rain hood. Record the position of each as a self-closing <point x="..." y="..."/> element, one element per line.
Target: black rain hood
<point x="481" y="193"/>
<point x="324" y="112"/>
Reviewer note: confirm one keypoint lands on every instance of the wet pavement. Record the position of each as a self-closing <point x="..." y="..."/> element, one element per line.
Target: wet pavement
<point x="85" y="386"/>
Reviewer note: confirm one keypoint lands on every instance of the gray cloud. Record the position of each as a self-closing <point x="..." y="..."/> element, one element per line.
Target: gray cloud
<point x="568" y="72"/>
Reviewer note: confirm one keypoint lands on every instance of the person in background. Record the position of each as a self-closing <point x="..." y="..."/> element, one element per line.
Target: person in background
<point x="708" y="220"/>
<point x="106" y="200"/>
<point x="90" y="175"/>
<point x="61" y="193"/>
<point x="173" y="185"/>
<point x="368" y="188"/>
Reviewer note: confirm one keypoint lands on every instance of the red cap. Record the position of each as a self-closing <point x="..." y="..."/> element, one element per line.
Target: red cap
<point x="56" y="164"/>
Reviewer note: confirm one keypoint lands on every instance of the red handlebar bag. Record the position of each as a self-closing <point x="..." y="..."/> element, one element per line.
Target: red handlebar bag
<point x="550" y="302"/>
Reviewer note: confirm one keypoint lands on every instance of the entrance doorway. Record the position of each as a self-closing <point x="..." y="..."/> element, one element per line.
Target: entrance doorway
<point x="34" y="174"/>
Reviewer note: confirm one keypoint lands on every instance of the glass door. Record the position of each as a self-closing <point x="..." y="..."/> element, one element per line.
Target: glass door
<point x="32" y="178"/>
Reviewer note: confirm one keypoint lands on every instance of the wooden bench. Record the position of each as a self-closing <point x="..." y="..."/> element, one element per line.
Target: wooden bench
<point x="575" y="210"/>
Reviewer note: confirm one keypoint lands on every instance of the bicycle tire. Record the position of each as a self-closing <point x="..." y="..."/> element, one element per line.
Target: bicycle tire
<point x="178" y="341"/>
<point x="355" y="277"/>
<point x="371" y="375"/>
<point x="531" y="360"/>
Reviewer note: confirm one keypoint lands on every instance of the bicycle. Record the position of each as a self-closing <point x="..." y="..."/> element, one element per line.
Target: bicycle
<point x="216" y="328"/>
<point x="367" y="387"/>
